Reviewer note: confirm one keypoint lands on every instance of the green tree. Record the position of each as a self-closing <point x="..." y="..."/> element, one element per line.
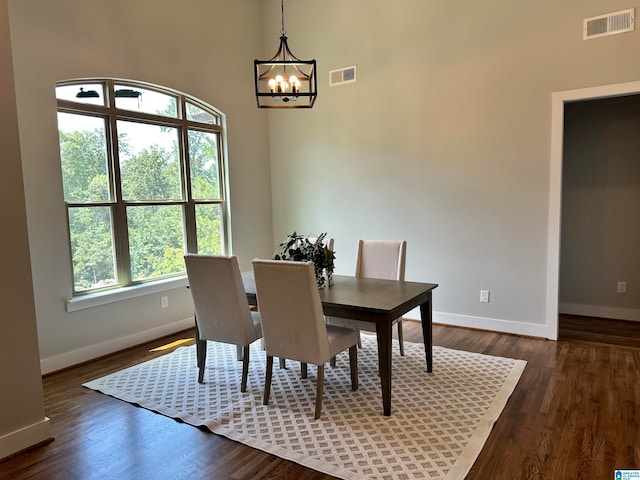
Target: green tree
<point x="83" y="156"/>
<point x="91" y="246"/>
<point x="203" y="160"/>
<point x="153" y="174"/>
<point x="155" y="232"/>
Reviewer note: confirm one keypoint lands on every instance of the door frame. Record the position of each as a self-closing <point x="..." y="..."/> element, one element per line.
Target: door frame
<point x="558" y="100"/>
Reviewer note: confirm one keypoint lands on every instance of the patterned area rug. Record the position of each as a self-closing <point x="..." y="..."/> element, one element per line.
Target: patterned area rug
<point x="439" y="422"/>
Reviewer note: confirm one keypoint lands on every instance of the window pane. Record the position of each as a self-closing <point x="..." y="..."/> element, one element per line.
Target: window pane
<point x="209" y="229"/>
<point x="147" y="101"/>
<point x="196" y="114"/>
<point x="92" y="93"/>
<point x="203" y="157"/>
<point x="149" y="161"/>
<point x="156" y="240"/>
<point x="92" y="252"/>
<point x="83" y="154"/>
<point x="125" y="148"/>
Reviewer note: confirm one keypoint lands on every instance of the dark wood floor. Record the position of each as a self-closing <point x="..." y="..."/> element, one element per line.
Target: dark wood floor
<point x="597" y="330"/>
<point x="574" y="414"/>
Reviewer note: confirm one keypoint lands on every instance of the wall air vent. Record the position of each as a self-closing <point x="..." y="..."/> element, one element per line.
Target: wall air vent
<point x="608" y="24"/>
<point x="341" y="76"/>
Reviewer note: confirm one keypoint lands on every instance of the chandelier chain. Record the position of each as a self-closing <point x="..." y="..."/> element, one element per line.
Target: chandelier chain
<point x="282" y="31"/>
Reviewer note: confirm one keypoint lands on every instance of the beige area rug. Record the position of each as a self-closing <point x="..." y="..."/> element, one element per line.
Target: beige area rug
<point x="439" y="422"/>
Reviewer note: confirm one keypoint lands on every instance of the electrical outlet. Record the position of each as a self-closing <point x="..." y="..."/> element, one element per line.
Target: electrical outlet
<point x="164" y="302"/>
<point x="622" y="287"/>
<point x="484" y="296"/>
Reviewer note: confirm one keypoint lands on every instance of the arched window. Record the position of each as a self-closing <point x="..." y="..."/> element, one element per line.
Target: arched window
<point x="144" y="181"/>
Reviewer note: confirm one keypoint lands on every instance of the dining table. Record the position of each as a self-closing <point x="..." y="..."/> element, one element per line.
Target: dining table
<point x="378" y="302"/>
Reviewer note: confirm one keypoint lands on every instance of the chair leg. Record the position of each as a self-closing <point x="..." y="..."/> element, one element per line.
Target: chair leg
<point x="201" y="354"/>
<point x="303" y="370"/>
<point x="332" y="362"/>
<point x="400" y="338"/>
<point x="267" y="380"/>
<point x="283" y="363"/>
<point x="319" y="391"/>
<point x="353" y="364"/>
<point x="245" y="368"/>
<point x="359" y="340"/>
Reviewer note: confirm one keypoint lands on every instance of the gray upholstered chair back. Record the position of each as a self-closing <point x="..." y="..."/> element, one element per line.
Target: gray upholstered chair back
<point x="383" y="259"/>
<point x="293" y="324"/>
<point x="221" y="307"/>
<point x="328" y="242"/>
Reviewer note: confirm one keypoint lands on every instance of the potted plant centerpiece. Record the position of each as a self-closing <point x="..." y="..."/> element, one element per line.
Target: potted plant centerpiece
<point x="303" y="248"/>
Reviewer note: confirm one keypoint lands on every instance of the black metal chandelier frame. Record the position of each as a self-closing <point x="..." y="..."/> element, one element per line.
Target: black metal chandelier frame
<point x="285" y="81"/>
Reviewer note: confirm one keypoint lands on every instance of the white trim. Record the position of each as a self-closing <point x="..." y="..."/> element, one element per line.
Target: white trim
<point x="25" y="437"/>
<point x="600" y="311"/>
<point x="617" y="22"/>
<point x="489" y="324"/>
<point x="111" y="296"/>
<point x="558" y="99"/>
<point x="67" y="359"/>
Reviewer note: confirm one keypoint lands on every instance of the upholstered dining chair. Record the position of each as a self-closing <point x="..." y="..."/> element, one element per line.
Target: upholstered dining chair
<point x="384" y="259"/>
<point x="293" y="323"/>
<point x="328" y="242"/>
<point x="221" y="308"/>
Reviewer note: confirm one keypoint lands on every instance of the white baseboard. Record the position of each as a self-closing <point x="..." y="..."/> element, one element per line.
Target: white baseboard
<point x="67" y="359"/>
<point x="25" y="437"/>
<point x="599" y="311"/>
<point x="490" y="324"/>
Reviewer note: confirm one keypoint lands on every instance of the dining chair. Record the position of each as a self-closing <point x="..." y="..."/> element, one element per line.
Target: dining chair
<point x="222" y="311"/>
<point x="293" y="324"/>
<point x="384" y="259"/>
<point x="327" y="242"/>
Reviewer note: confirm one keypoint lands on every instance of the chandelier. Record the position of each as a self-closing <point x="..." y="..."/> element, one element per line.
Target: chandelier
<point x="285" y="81"/>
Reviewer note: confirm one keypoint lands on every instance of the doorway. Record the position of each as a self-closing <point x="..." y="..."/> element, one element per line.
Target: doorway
<point x="559" y="99"/>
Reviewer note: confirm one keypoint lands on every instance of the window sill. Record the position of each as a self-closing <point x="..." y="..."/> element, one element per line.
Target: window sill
<point x="102" y="298"/>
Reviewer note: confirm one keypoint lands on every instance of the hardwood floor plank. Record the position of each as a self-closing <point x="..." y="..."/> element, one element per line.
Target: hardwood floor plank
<point x="573" y="414"/>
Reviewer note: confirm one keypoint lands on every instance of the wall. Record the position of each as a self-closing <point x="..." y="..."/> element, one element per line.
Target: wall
<point x="444" y="140"/>
<point x="600" y="222"/>
<point x="22" y="422"/>
<point x="204" y="48"/>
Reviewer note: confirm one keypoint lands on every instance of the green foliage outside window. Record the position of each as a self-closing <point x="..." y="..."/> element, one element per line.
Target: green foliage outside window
<point x="148" y="191"/>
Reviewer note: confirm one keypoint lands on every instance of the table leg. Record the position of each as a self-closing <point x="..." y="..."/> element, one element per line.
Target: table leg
<point x="383" y="333"/>
<point x="427" y="331"/>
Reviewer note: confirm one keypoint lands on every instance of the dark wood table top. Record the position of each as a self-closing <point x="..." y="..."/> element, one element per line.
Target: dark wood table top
<point x="368" y="299"/>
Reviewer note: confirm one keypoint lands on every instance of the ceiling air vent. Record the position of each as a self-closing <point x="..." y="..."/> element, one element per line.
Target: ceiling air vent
<point x="609" y="24"/>
<point x="341" y="76"/>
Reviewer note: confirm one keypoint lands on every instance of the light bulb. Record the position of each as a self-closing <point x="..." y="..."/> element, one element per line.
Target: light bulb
<point x="295" y="84"/>
<point x="293" y="80"/>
